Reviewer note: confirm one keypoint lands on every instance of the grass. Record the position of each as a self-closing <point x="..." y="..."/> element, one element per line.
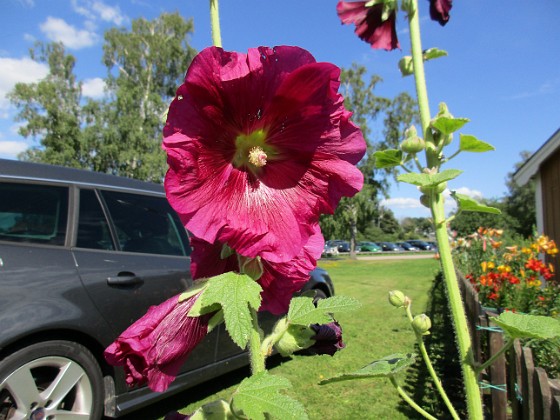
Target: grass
<point x="374" y="331"/>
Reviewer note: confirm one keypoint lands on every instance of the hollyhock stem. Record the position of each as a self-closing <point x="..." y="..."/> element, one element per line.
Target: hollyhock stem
<point x="431" y="370"/>
<point x="409" y="400"/>
<point x="473" y="396"/>
<point x="215" y="22"/>
<point x="256" y="356"/>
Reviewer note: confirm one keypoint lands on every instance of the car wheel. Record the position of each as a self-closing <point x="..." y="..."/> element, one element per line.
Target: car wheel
<point x="50" y="379"/>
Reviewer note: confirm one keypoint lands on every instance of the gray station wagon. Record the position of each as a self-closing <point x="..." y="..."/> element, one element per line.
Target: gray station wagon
<point x="82" y="256"/>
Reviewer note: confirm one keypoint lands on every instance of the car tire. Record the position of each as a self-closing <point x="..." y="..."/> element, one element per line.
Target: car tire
<point x="49" y="379"/>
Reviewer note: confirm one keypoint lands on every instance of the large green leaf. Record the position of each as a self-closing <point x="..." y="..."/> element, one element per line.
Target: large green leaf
<point x="470" y="143"/>
<point x="528" y="326"/>
<point x="466" y="203"/>
<point x="384" y="367"/>
<point x="387" y="158"/>
<point x="429" y="180"/>
<point x="302" y="311"/>
<point x="259" y="394"/>
<point x="236" y="294"/>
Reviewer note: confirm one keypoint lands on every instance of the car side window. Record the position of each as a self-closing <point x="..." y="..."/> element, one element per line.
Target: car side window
<point x="146" y="224"/>
<point x="33" y="213"/>
<point x="93" y="229"/>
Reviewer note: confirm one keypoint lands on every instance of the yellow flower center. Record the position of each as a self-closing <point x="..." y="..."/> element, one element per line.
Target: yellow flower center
<point x="251" y="150"/>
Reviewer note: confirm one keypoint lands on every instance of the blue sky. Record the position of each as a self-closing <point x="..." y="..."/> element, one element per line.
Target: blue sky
<point x="502" y="72"/>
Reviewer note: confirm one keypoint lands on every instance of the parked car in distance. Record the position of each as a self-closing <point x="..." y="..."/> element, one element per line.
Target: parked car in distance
<point x="329" y="250"/>
<point x="368" y="247"/>
<point x="421" y="245"/>
<point x="407" y="246"/>
<point x="82" y="256"/>
<point x="342" y="246"/>
<point x="434" y="245"/>
<point x="390" y="247"/>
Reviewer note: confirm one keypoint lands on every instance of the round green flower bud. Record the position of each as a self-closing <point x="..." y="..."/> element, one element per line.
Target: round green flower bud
<point x="295" y="338"/>
<point x="413" y="145"/>
<point x="425" y="200"/>
<point x="398" y="299"/>
<point x="434" y="189"/>
<point x="422" y="324"/>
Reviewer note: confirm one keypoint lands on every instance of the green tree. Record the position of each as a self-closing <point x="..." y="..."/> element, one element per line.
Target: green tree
<point x="145" y="66"/>
<point x="50" y="109"/>
<point x="355" y="215"/>
<point x="519" y="204"/>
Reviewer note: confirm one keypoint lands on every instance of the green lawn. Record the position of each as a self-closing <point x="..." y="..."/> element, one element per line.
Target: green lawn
<point x="376" y="330"/>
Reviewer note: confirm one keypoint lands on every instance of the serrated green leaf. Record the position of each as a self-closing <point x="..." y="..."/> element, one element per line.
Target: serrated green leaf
<point x="214" y="410"/>
<point x="338" y="304"/>
<point x="528" y="326"/>
<point x="432" y="53"/>
<point x="302" y="311"/>
<point x="235" y="293"/>
<point x="387" y="366"/>
<point x="426" y="180"/>
<point x="387" y="158"/>
<point x="470" y="143"/>
<point x="448" y="125"/>
<point x="259" y="394"/>
<point x="466" y="203"/>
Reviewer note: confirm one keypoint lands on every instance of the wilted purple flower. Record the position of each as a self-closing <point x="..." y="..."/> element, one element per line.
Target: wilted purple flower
<point x="154" y="348"/>
<point x="328" y="338"/>
<point x="439" y="10"/>
<point x="370" y="26"/>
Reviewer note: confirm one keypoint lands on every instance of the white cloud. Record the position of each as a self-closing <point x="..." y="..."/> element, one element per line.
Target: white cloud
<point x="58" y="30"/>
<point x="96" y="9"/>
<point x="411" y="207"/>
<point x="10" y="149"/>
<point x="13" y="70"/>
<point x="93" y="88"/>
<point x="401" y="203"/>
<point x="108" y="13"/>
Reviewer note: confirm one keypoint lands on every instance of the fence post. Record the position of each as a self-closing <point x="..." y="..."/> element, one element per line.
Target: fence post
<point x="543" y="396"/>
<point x="527" y="370"/>
<point x="498" y="376"/>
<point x="515" y="386"/>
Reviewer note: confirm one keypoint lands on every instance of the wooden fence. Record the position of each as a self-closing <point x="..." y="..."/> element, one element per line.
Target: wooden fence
<point x="514" y="387"/>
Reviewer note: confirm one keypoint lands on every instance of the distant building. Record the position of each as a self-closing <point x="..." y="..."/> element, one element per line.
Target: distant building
<point x="544" y="167"/>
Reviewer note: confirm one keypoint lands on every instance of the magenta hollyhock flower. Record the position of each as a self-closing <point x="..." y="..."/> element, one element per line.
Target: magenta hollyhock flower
<point x="439" y="10"/>
<point x="328" y="338"/>
<point x="370" y="26"/>
<point x="154" y="348"/>
<point x="279" y="281"/>
<point x="259" y="145"/>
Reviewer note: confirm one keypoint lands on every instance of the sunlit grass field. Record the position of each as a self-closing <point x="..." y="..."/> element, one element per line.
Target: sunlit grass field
<point x="377" y="329"/>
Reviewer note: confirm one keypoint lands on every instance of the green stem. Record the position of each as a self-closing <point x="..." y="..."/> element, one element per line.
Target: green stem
<point x="431" y="369"/>
<point x="215" y="23"/>
<point x="470" y="376"/>
<point x="256" y="356"/>
<point x="409" y="400"/>
<point x="473" y="396"/>
<point x="489" y="362"/>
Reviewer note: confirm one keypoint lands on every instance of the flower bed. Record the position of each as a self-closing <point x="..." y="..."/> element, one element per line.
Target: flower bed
<point x="513" y="277"/>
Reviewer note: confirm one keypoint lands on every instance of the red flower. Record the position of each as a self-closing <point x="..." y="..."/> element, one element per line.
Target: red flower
<point x="439" y="10"/>
<point x="279" y="281"/>
<point x="370" y="26"/>
<point x="258" y="146"/>
<point x="154" y="348"/>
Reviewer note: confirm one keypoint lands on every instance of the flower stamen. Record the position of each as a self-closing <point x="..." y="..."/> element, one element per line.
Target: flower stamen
<point x="257" y="156"/>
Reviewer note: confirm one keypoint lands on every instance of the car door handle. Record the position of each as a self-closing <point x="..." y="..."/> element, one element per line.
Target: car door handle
<point x="124" y="279"/>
